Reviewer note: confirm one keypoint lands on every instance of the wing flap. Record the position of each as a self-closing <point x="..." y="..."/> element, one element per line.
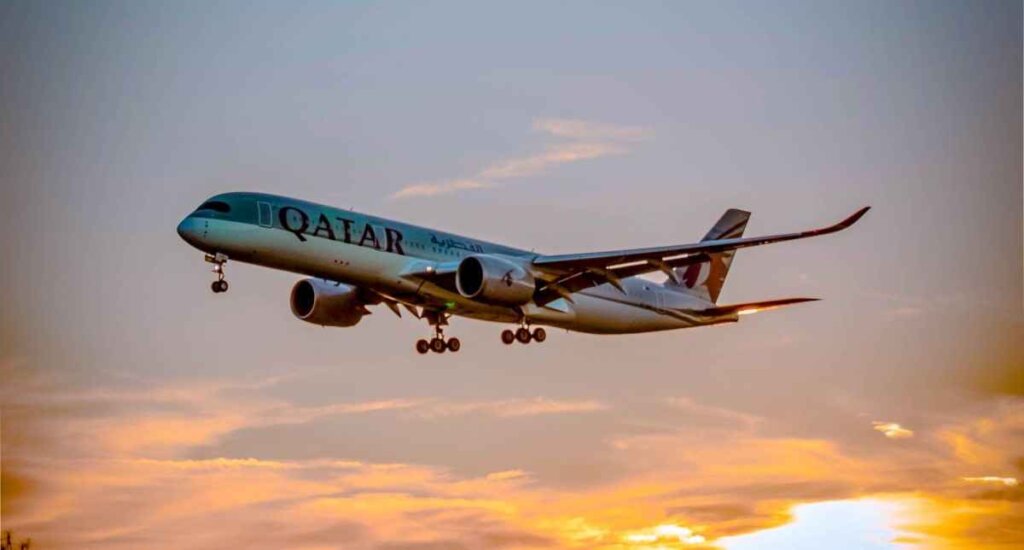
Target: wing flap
<point x="582" y="280"/>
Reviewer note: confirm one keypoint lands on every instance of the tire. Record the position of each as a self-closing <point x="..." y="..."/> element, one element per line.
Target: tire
<point x="223" y="286"/>
<point x="437" y="345"/>
<point x="454" y="345"/>
<point x="507" y="336"/>
<point x="422" y="346"/>
<point x="523" y="335"/>
<point x="540" y="334"/>
<point x="215" y="287"/>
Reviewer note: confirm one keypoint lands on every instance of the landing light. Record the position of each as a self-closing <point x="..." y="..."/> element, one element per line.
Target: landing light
<point x="747" y="311"/>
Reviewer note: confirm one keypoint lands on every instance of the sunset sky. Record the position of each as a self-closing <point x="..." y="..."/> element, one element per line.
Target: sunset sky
<point x="141" y="411"/>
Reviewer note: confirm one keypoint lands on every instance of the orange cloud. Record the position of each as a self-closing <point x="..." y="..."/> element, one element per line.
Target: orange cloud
<point x="660" y="536"/>
<point x="506" y="475"/>
<point x="892" y="430"/>
<point x="130" y="478"/>
<point x="511" y="407"/>
<point x="1005" y="481"/>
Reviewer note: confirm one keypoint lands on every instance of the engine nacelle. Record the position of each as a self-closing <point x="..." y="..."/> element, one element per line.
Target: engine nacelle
<point x="327" y="304"/>
<point x="494" y="280"/>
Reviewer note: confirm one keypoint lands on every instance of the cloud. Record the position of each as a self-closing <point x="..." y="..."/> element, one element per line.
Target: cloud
<point x="161" y="422"/>
<point x="666" y="534"/>
<point x="556" y="154"/>
<point x="509" y="408"/>
<point x="892" y="430"/>
<point x="733" y="417"/>
<point x="953" y="521"/>
<point x="206" y="421"/>
<point x="586" y="140"/>
<point x="430" y="189"/>
<point x="1006" y="481"/>
<point x="676" y="486"/>
<point x="590" y="131"/>
<point x="506" y="475"/>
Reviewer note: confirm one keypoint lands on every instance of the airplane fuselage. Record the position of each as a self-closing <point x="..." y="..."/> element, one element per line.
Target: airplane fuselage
<point x="388" y="257"/>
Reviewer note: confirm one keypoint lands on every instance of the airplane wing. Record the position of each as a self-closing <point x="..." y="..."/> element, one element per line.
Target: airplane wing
<point x="618" y="257"/>
<point x="575" y="272"/>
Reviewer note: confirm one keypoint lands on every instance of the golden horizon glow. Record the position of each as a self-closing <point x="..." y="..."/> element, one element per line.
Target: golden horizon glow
<point x="663" y="536"/>
<point x="859" y="524"/>
<point x="629" y="514"/>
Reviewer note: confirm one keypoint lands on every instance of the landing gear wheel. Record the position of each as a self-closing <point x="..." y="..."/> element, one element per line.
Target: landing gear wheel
<point x="507" y="336"/>
<point x="540" y="334"/>
<point x="218" y="260"/>
<point x="437" y="345"/>
<point x="454" y="345"/>
<point x="523" y="335"/>
<point x="438" y="319"/>
<point x="422" y="346"/>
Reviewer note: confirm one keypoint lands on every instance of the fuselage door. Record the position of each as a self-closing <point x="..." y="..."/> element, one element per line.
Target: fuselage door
<point x="266" y="214"/>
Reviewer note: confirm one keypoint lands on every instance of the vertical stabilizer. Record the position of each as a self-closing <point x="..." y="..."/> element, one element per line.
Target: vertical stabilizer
<point x="705" y="279"/>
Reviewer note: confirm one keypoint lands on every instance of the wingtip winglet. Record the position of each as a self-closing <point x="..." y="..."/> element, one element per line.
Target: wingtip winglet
<point x="850" y="220"/>
<point x="855" y="216"/>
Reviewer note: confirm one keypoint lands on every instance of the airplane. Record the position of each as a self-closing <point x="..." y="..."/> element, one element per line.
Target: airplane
<point x="353" y="261"/>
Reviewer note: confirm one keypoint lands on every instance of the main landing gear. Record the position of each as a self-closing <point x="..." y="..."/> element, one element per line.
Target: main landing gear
<point x="523" y="335"/>
<point x="438" y="344"/>
<point x="218" y="260"/>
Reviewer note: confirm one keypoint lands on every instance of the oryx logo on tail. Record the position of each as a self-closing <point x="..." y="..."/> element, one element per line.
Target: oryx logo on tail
<point x="705" y="279"/>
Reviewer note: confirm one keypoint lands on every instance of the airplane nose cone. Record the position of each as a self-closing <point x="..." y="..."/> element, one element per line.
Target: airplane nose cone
<point x="189" y="231"/>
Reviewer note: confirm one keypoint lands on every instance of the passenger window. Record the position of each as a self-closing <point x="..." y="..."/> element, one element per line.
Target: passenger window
<point x="216" y="206"/>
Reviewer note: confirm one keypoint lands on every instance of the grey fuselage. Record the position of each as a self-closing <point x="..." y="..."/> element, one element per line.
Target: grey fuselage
<point x="379" y="254"/>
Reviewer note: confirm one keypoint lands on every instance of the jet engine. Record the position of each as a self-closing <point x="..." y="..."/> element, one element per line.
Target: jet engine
<point x="327" y="304"/>
<point x="494" y="280"/>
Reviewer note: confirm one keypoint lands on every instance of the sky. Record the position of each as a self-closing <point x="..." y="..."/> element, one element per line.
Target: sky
<point x="139" y="410"/>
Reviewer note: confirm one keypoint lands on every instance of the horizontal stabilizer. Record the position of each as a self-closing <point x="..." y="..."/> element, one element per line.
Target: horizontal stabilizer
<point x="754" y="307"/>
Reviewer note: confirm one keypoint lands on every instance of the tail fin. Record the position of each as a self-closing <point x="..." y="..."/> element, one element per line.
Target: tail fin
<point x="706" y="279"/>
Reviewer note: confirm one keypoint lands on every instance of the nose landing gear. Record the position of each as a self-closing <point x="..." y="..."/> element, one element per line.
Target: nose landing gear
<point x="218" y="260"/>
<point x="523" y="335"/>
<point x="438" y="344"/>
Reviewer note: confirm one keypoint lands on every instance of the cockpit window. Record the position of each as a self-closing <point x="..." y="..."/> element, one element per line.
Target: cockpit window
<point x="216" y="206"/>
